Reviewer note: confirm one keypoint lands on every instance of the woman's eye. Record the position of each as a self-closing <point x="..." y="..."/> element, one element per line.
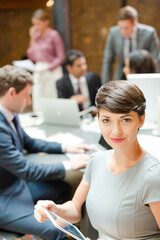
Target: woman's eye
<point x="105" y="120"/>
<point x="126" y="120"/>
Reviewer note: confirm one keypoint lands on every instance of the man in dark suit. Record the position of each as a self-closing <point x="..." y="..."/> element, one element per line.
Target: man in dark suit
<point x="22" y="183"/>
<point x="126" y="37"/>
<point x="78" y="84"/>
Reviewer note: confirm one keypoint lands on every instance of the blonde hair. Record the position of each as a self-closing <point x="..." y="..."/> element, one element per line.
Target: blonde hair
<point x="41" y="14"/>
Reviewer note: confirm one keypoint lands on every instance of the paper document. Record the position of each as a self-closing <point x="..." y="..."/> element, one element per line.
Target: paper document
<point x="34" y="132"/>
<point x="26" y="64"/>
<point x="67" y="138"/>
<point x="64" y="225"/>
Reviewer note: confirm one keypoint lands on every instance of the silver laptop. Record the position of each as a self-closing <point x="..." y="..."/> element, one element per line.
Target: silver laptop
<point x="60" y="111"/>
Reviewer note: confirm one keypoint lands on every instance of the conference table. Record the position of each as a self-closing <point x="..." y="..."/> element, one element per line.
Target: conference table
<point x="72" y="177"/>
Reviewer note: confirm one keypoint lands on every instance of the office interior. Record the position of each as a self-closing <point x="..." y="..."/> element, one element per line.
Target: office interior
<point x="83" y="25"/>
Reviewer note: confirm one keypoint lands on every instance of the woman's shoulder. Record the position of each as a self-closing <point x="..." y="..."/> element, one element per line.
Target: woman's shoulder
<point x="100" y="156"/>
<point x="53" y="32"/>
<point x="152" y="165"/>
<point x="150" y="159"/>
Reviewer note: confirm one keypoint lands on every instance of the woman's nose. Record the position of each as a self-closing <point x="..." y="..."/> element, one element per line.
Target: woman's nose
<point x="116" y="129"/>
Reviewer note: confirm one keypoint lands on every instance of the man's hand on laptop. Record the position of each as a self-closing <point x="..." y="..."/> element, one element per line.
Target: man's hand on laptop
<point x="79" y="148"/>
<point x="79" y="161"/>
<point x="79" y="98"/>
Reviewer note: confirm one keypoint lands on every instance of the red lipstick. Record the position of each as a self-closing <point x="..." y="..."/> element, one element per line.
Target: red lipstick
<point x="117" y="140"/>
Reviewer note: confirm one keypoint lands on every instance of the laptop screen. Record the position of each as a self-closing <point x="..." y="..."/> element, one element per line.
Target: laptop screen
<point x="60" y="111"/>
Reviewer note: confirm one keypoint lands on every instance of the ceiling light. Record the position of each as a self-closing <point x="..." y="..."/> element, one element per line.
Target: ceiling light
<point x="49" y="3"/>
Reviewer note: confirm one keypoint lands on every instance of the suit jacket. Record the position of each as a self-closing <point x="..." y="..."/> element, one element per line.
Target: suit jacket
<point x="146" y="39"/>
<point x="15" y="198"/>
<point x="65" y="89"/>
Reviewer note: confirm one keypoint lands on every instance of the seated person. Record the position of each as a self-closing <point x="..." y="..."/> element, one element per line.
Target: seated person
<point x="78" y="84"/>
<point x="120" y="186"/>
<point x="22" y="182"/>
<point x="139" y="61"/>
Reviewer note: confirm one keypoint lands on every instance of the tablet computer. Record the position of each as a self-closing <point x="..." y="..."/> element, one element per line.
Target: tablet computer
<point x="64" y="225"/>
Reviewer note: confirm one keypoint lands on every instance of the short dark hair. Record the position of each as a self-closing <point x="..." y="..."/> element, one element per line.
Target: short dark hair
<point x="121" y="96"/>
<point x="11" y="76"/>
<point x="72" y="55"/>
<point x="127" y="13"/>
<point x="41" y="14"/>
<point x="141" y="61"/>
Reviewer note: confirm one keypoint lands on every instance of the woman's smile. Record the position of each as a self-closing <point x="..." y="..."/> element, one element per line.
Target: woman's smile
<point x="117" y="140"/>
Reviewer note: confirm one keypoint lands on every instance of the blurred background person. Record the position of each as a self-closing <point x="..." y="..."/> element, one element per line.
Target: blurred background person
<point x="126" y="37"/>
<point x="78" y="84"/>
<point x="47" y="50"/>
<point x="139" y="61"/>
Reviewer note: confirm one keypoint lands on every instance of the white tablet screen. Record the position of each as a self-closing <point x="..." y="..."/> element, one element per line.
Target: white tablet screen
<point x="64" y="225"/>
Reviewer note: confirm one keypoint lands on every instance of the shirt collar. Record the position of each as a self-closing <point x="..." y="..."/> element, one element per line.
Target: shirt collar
<point x="74" y="79"/>
<point x="134" y="34"/>
<point x="8" y="115"/>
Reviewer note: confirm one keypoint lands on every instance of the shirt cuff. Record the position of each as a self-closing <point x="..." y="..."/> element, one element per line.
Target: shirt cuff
<point x="63" y="147"/>
<point x="67" y="165"/>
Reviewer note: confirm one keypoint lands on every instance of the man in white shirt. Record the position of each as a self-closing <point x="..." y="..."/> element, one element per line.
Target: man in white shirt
<point x="78" y="84"/>
<point x="124" y="38"/>
<point x="22" y="183"/>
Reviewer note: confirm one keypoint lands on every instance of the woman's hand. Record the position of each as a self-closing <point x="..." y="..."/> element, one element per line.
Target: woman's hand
<point x="32" y="34"/>
<point x="39" y="214"/>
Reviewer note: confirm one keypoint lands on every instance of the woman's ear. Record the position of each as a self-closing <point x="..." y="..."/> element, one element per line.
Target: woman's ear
<point x="141" y="120"/>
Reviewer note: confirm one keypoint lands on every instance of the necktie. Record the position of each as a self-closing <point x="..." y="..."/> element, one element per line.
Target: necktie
<point x="79" y="92"/>
<point x="17" y="127"/>
<point x="130" y="45"/>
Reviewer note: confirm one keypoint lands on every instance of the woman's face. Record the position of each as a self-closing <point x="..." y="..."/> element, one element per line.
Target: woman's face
<point x="126" y="68"/>
<point x="120" y="130"/>
<point x="39" y="24"/>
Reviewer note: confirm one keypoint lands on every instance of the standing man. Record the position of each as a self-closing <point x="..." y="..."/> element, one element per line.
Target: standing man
<point x="128" y="36"/>
<point x="22" y="183"/>
<point x="78" y="84"/>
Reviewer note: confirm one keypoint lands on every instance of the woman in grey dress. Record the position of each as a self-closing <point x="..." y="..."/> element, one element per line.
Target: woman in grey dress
<point x="121" y="186"/>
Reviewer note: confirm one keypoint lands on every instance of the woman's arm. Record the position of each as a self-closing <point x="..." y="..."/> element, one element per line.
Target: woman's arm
<point x="59" y="55"/>
<point x="71" y="210"/>
<point x="155" y="209"/>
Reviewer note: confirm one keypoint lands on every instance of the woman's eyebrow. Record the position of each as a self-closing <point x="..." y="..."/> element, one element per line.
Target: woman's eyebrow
<point x="128" y="115"/>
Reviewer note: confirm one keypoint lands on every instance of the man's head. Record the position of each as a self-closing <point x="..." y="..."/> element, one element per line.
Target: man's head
<point x="76" y="63"/>
<point x="15" y="88"/>
<point x="127" y="19"/>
